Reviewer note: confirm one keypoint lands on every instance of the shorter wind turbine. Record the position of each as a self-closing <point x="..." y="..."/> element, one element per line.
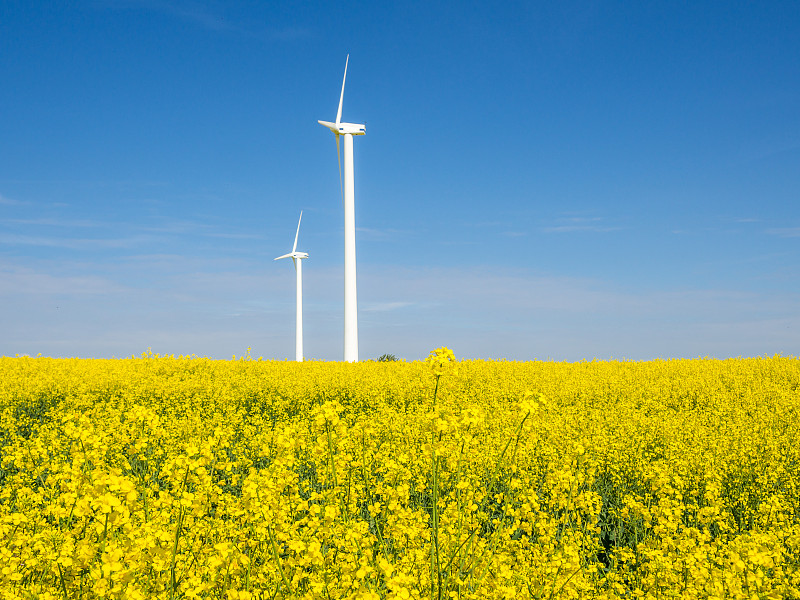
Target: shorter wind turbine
<point x="297" y="259"/>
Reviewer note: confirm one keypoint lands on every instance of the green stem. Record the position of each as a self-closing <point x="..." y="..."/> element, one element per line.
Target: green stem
<point x="436" y="526"/>
<point x="368" y="489"/>
<point x="178" y="528"/>
<point x="63" y="585"/>
<point x="277" y="559"/>
<point x="330" y="455"/>
<point x="435" y="563"/>
<point x="458" y="550"/>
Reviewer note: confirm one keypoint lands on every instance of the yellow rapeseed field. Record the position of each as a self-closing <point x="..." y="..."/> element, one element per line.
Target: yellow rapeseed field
<point x="164" y="477"/>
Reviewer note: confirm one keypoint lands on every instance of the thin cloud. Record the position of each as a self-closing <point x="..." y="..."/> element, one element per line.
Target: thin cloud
<point x="50" y="222"/>
<point x="580" y="224"/>
<point x="385" y="306"/>
<point x="483" y="224"/>
<point x="184" y="305"/>
<point x="195" y="228"/>
<point x="287" y="34"/>
<point x="73" y="243"/>
<point x="30" y="232"/>
<point x="519" y="314"/>
<point x="178" y="227"/>
<point x="377" y="235"/>
<point x="785" y="232"/>
<point x="201" y="15"/>
<point x="236" y="236"/>
<point x="9" y="201"/>
<point x="186" y="10"/>
<point x="25" y="281"/>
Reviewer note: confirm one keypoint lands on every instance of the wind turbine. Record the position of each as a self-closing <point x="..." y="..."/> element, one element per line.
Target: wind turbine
<point x="297" y="259"/>
<point x="348" y="130"/>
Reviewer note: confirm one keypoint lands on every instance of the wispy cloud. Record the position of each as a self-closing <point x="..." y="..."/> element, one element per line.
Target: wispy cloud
<point x="11" y="239"/>
<point x="197" y="13"/>
<point x="519" y="314"/>
<point x="580" y="224"/>
<point x="378" y="235"/>
<point x="287" y="34"/>
<point x="236" y="236"/>
<point x="785" y="232"/>
<point x="212" y="18"/>
<point x="185" y="305"/>
<point x="19" y="280"/>
<point x="9" y="201"/>
<point x="385" y="306"/>
<point x="188" y="10"/>
<point x="50" y="222"/>
<point x="55" y="232"/>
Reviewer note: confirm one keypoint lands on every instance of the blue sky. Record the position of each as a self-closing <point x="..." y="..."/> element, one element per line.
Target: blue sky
<point x="539" y="180"/>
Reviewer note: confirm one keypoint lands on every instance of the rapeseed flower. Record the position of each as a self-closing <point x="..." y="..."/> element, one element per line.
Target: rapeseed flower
<point x="164" y="477"/>
<point x="442" y="361"/>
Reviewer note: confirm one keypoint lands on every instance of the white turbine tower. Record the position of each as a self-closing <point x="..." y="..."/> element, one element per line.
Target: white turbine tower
<point x="297" y="259"/>
<point x="348" y="130"/>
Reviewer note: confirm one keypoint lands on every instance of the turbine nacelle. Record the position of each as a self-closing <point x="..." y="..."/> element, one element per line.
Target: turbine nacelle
<point x="344" y="128"/>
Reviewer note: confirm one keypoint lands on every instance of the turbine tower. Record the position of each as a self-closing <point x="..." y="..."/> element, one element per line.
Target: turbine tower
<point x="297" y="259"/>
<point x="348" y="130"/>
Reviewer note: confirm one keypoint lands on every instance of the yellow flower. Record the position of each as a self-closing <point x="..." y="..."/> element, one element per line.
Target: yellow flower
<point x="442" y="361"/>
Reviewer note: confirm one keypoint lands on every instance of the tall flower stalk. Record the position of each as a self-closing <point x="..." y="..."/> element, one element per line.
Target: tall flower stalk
<point x="440" y="361"/>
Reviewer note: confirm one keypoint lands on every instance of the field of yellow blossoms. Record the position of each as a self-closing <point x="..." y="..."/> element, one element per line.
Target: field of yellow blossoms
<point x="164" y="477"/>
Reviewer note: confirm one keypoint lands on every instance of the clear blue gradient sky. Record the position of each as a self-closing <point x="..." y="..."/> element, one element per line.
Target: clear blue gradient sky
<point x="539" y="180"/>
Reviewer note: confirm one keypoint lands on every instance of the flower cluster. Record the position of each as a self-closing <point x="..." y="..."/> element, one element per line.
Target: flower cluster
<point x="164" y="477"/>
<point x="442" y="361"/>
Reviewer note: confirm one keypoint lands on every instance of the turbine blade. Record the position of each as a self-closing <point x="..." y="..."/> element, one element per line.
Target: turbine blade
<point x="341" y="97"/>
<point x="294" y="260"/>
<point x="339" y="157"/>
<point x="298" y="232"/>
<point x="284" y="256"/>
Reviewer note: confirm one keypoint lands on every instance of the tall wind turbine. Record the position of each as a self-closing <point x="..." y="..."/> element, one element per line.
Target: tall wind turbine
<point x="297" y="259"/>
<point x="348" y="130"/>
